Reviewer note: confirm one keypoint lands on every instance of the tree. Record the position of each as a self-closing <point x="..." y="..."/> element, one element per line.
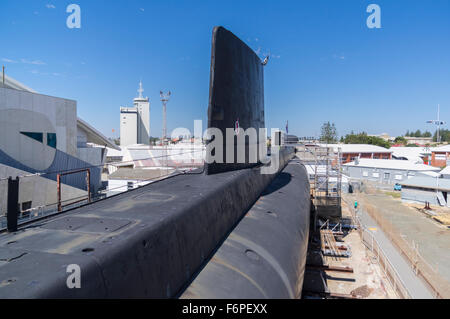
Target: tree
<point x="444" y="134"/>
<point x="329" y="133"/>
<point x="153" y="140"/>
<point x="400" y="140"/>
<point x="363" y="138"/>
<point x="418" y="133"/>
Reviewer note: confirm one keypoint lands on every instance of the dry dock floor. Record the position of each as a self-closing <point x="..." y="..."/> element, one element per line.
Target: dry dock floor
<point x="368" y="279"/>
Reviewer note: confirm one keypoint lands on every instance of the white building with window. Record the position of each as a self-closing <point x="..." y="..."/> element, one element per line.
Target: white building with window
<point x="135" y="121"/>
<point x="387" y="171"/>
<point x="419" y="155"/>
<point x="426" y="189"/>
<point x="41" y="136"/>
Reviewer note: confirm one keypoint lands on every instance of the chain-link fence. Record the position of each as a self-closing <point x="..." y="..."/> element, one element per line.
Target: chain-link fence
<point x="378" y="253"/>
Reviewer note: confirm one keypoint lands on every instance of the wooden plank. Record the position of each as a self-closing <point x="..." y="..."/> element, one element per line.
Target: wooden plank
<point x="331" y="268"/>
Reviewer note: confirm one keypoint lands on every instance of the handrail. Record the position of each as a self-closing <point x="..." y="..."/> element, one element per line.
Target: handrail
<point x="58" y="185"/>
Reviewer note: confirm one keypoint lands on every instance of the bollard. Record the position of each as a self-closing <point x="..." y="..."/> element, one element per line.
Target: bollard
<point x="12" y="213"/>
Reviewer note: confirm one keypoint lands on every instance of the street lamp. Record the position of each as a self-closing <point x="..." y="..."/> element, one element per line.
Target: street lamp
<point x="437" y="122"/>
<point x="164" y="99"/>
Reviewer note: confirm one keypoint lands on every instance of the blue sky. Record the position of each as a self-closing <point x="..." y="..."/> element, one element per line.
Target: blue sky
<point x="326" y="64"/>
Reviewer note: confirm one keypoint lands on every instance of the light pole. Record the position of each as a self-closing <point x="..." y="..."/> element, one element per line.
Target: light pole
<point x="437" y="122"/>
<point x="164" y="99"/>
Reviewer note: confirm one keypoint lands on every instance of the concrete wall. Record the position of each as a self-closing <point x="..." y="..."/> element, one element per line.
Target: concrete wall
<point x="143" y="121"/>
<point x="81" y="138"/>
<point x="28" y="125"/>
<point x="128" y="126"/>
<point x="30" y="112"/>
<point x="419" y="195"/>
<point x="92" y="155"/>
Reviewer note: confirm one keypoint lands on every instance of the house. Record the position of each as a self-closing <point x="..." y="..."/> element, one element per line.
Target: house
<point x="419" y="155"/>
<point x="349" y="152"/>
<point x="423" y="189"/>
<point x="387" y="171"/>
<point x="440" y="156"/>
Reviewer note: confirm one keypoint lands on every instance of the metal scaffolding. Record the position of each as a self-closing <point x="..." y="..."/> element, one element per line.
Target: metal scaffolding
<point x="324" y="166"/>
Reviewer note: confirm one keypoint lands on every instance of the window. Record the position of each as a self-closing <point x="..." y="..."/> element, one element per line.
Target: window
<point x="365" y="174"/>
<point x="387" y="175"/>
<point x="26" y="206"/>
<point x="51" y="140"/>
<point x="376" y="175"/>
<point x="35" y="136"/>
<point x="398" y="177"/>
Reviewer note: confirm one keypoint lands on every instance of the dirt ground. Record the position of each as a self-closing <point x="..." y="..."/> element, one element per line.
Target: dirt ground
<point x="368" y="280"/>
